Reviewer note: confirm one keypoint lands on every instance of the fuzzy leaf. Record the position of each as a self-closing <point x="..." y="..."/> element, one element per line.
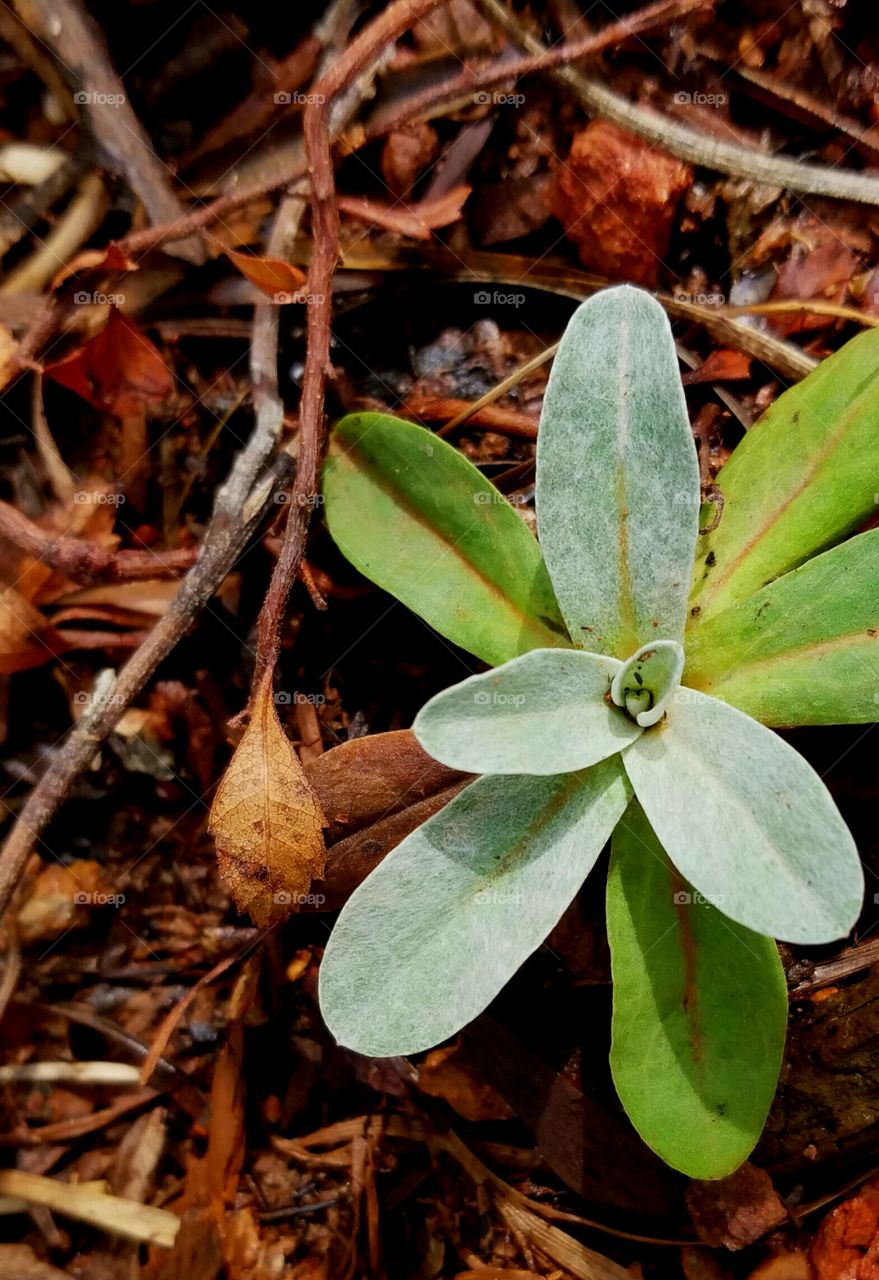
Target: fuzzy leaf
<point x="803" y="477"/>
<point x="449" y="916"/>
<point x="546" y="712"/>
<point x="617" y="476"/>
<point x="266" y="819"/>
<point x="805" y="649"/>
<point x="699" y="1012"/>
<point x="747" y="821"/>
<point x="646" y="684"/>
<point x="418" y="519"/>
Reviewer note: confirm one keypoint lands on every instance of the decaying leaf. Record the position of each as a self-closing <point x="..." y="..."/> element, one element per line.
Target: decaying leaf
<point x="266" y="819"/>
<point x="118" y="372"/>
<point x="277" y="279"/>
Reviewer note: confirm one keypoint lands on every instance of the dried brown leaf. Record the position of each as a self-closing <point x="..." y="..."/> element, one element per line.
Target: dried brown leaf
<point x="266" y="819"/>
<point x="278" y="280"/>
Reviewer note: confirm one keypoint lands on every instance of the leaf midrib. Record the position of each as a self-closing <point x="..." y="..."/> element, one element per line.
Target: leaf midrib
<point x="821" y="458"/>
<point x="399" y="499"/>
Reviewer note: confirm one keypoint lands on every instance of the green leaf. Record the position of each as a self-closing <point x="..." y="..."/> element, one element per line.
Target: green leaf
<point x="646" y="683"/>
<point x="805" y="649"/>
<point x="804" y="476"/>
<point x="414" y="516"/>
<point x="747" y="821"/>
<point x="431" y="937"/>
<point x="546" y="712"/>
<point x="617" y="476"/>
<point x="699" y="1012"/>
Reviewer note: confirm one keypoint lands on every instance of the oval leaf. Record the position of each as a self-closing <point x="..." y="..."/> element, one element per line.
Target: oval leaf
<point x="805" y="649"/>
<point x="449" y="916"/>
<point x="546" y="712"/>
<point x="617" y="476"/>
<point x="414" y="516"/>
<point x="699" y="1012"/>
<point x="266" y="819"/>
<point x="803" y="477"/>
<point x="747" y="821"/>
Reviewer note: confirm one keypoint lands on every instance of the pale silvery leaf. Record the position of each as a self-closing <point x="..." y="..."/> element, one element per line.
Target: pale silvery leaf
<point x="699" y="1011"/>
<point x="646" y="683"/>
<point x="747" y="821"/>
<point x="431" y="937"/>
<point x="617" y="476"/>
<point x="543" y="713"/>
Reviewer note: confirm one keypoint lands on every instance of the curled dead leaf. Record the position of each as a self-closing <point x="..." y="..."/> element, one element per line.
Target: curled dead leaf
<point x="266" y="819"/>
<point x="374" y="791"/>
<point x="277" y="279"/>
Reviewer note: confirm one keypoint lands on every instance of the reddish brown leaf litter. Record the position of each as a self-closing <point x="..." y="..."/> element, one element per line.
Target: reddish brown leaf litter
<point x="490" y="166"/>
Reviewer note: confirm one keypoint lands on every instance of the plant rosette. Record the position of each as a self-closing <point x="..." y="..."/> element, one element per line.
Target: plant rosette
<point x="631" y="656"/>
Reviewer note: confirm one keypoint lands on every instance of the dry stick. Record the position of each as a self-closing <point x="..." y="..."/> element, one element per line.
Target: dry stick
<point x="223" y="543"/>
<point x="688" y="144"/>
<point x="267" y="402"/>
<point x="188" y="224"/>
<point x="75" y="38"/>
<point x="382" y="31"/>
<point x="653" y="15"/>
<point x="238" y="507"/>
<point x="86" y="562"/>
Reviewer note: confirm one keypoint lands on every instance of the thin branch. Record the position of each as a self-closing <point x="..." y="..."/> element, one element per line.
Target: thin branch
<point x="86" y="562"/>
<point x="688" y="144"/>
<point x="382" y="31"/>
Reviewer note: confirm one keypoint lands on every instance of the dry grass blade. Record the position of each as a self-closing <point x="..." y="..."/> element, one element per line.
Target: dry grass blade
<point x="126" y="1218"/>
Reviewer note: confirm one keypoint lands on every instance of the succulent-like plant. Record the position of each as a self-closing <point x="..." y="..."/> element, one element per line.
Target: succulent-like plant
<point x="624" y="710"/>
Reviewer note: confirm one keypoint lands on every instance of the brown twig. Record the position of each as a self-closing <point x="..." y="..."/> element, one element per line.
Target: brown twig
<point x="86" y="562"/>
<point x="75" y="38"/>
<point x="688" y="144"/>
<point x="383" y="30"/>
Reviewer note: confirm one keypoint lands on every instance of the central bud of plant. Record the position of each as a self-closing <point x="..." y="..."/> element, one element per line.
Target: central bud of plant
<point x="645" y="685"/>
